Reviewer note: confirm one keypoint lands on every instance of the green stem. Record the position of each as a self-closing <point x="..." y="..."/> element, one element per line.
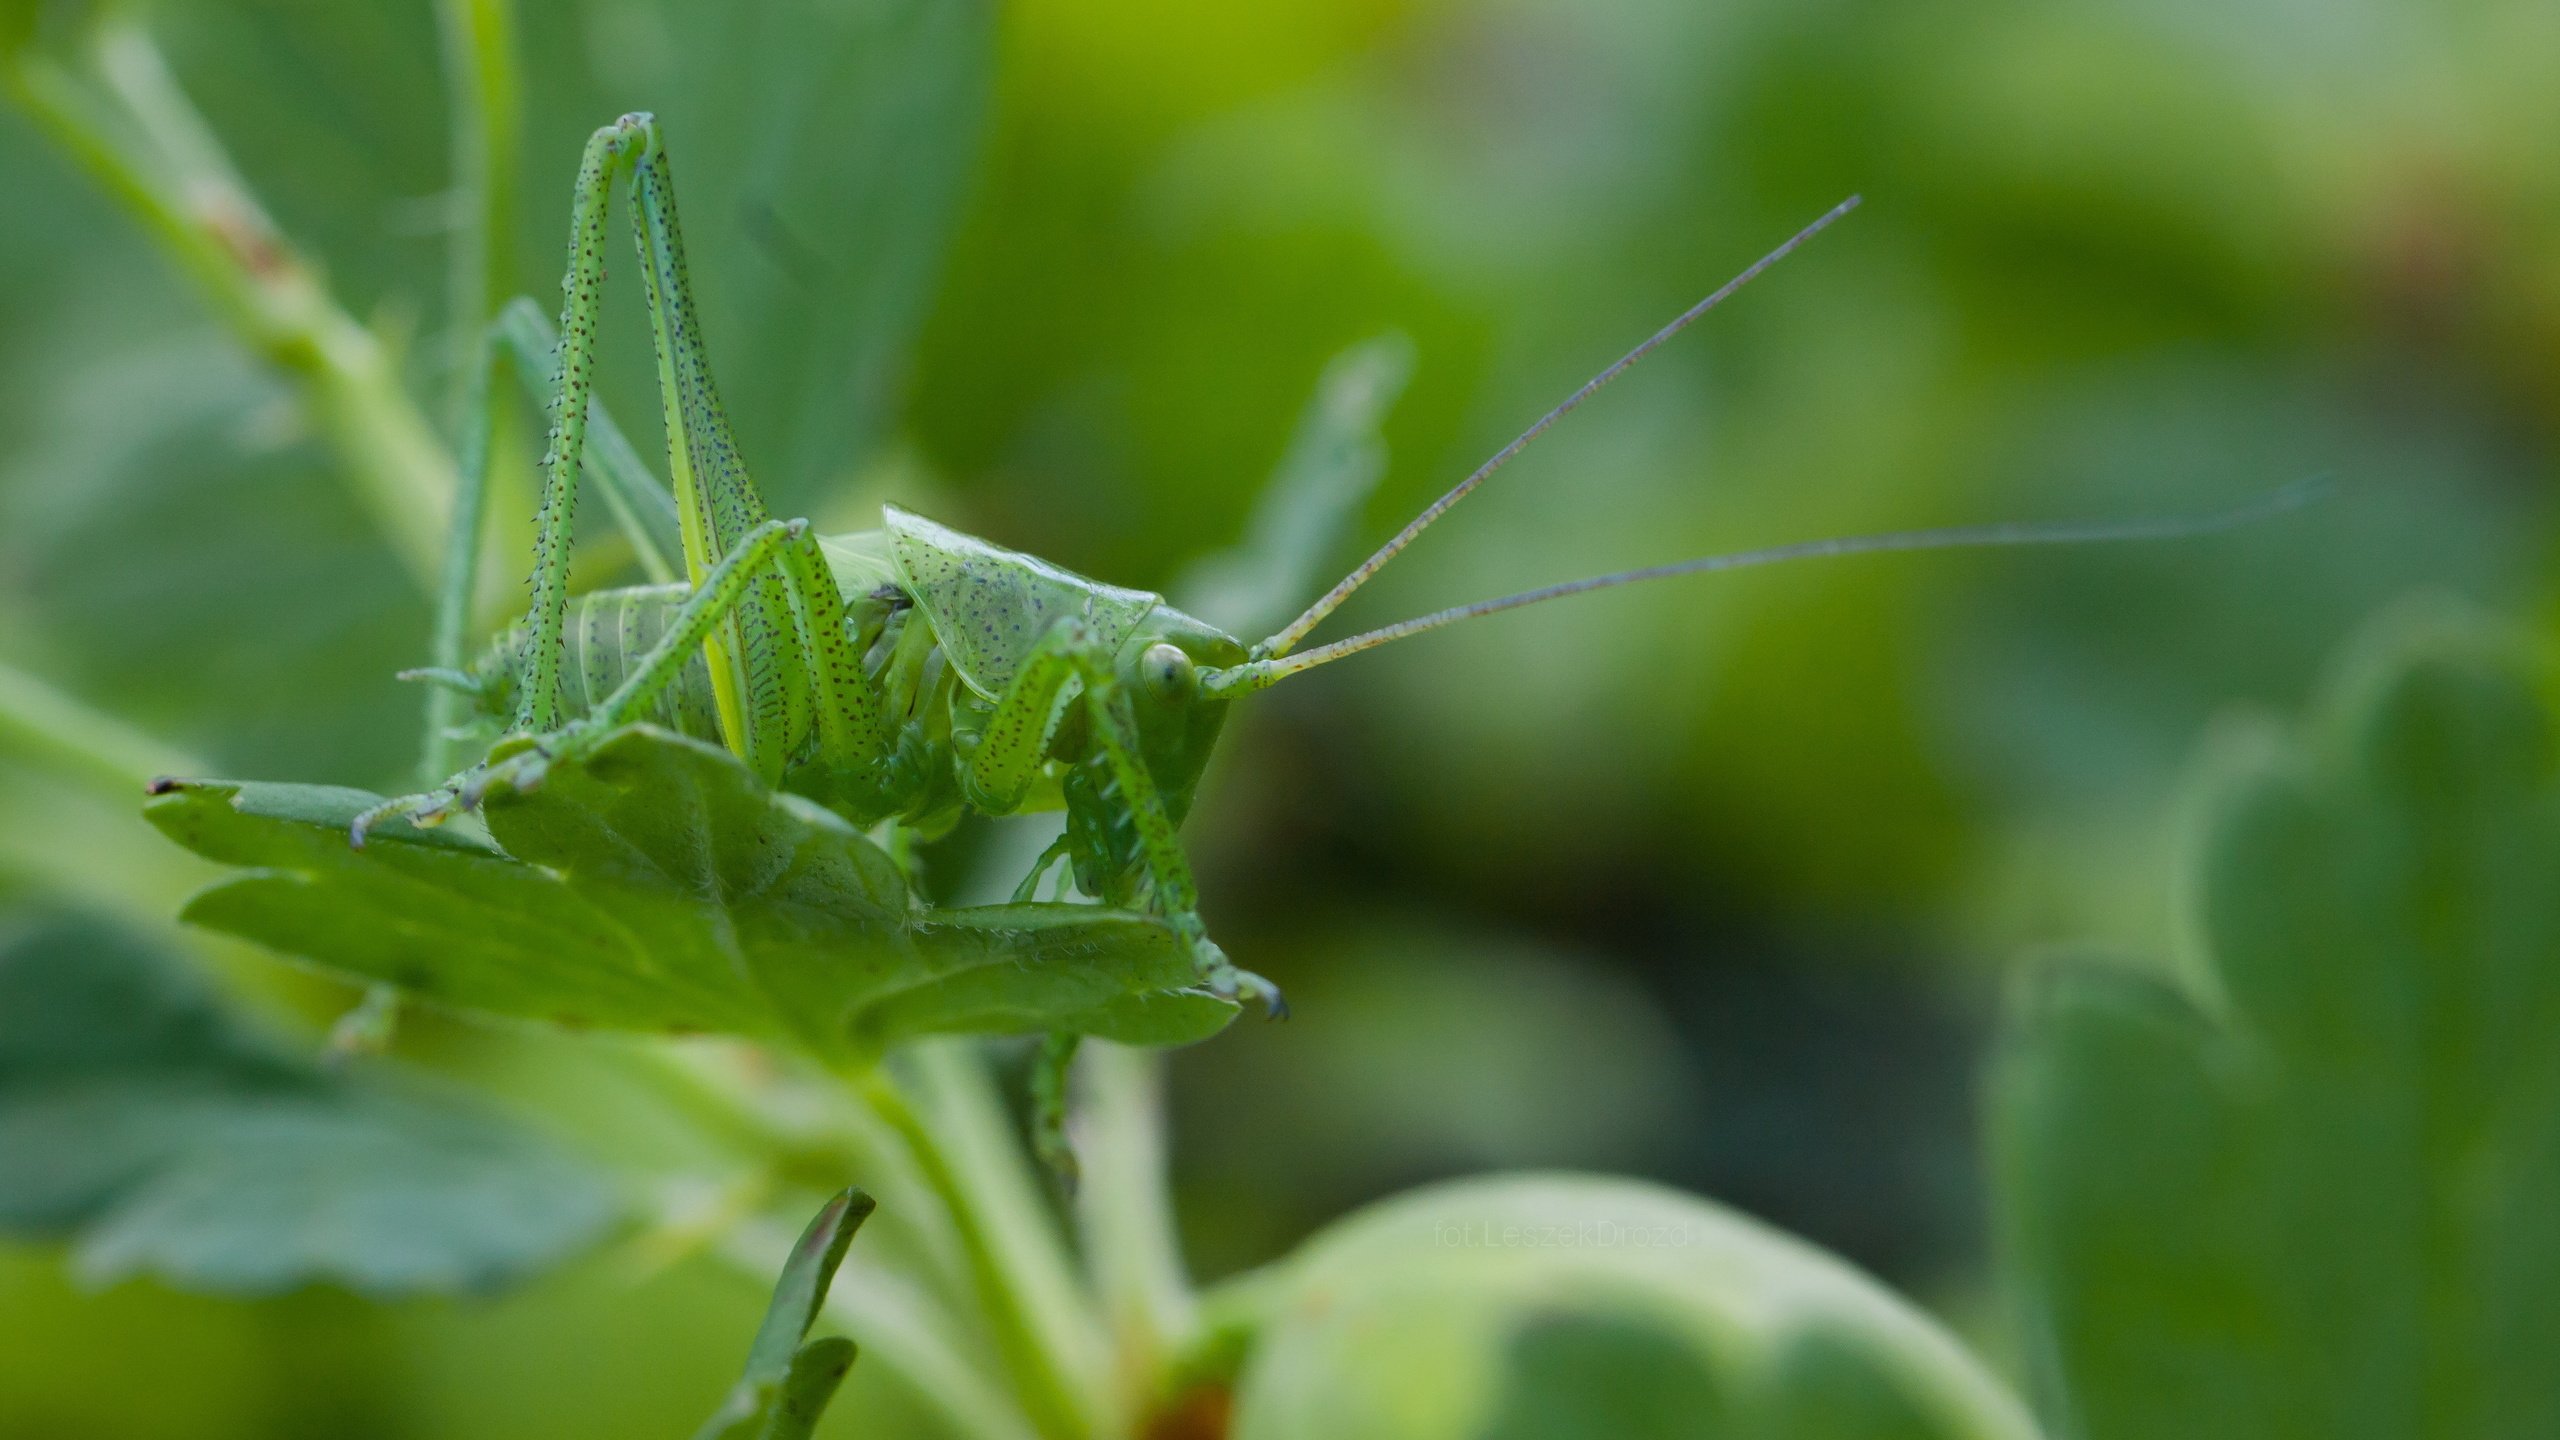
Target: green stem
<point x="906" y="1323"/>
<point x="979" y="1133"/>
<point x="152" y="151"/>
<point x="55" y="731"/>
<point x="484" y="99"/>
<point x="1002" y="1258"/>
<point x="730" y="1095"/>
<point x="461" y="579"/>
<point x="1126" y="1214"/>
<point x="484" y="96"/>
<point x="84" y="771"/>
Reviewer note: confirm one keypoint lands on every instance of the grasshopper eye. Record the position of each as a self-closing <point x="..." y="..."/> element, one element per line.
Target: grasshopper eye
<point x="1167" y="671"/>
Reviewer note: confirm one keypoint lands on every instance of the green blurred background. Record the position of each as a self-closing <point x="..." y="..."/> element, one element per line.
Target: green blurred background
<point x="1713" y="882"/>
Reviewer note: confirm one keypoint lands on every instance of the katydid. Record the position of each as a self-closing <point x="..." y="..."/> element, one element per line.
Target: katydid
<point x="915" y="674"/>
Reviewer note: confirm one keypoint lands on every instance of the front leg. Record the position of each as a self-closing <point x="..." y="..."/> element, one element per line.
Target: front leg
<point x="1115" y="728"/>
<point x="1015" y="741"/>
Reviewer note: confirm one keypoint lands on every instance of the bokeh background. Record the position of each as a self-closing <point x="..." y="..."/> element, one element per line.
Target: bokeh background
<point x="1714" y="882"/>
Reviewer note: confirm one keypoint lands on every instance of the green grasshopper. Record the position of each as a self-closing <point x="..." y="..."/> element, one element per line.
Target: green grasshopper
<point x="915" y="674"/>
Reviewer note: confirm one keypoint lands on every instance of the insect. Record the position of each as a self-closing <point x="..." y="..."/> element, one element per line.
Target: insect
<point x="916" y="674"/>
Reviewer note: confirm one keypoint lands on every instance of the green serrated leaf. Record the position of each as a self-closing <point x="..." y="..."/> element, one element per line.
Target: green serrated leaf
<point x="1566" y="1306"/>
<point x="2312" y="1193"/>
<point x="658" y="887"/>
<point x="157" y="1134"/>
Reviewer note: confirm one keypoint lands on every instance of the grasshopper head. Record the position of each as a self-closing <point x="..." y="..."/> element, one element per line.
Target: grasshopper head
<point x="1164" y="669"/>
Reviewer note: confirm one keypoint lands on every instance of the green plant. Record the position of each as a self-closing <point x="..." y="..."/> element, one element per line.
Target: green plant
<point x="2298" y="1185"/>
<point x="653" y="882"/>
<point x="663" y="884"/>
<point x="789" y="1377"/>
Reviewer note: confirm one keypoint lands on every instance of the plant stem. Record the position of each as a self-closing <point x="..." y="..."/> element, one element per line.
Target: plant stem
<point x="959" y="1096"/>
<point x="84" y="771"/>
<point x="88" y="853"/>
<point x="460" y="581"/>
<point x="485" y="100"/>
<point x="154" y="153"/>
<point x="1002" y="1260"/>
<point x="487" y="113"/>
<point x="1126" y="1214"/>
<point x="52" y="729"/>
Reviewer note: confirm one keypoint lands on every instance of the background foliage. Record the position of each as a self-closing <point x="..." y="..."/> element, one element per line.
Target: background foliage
<point x="1715" y="885"/>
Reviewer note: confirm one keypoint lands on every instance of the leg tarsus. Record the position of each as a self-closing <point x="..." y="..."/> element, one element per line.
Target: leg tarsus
<point x="519" y="770"/>
<point x="1229" y="981"/>
<point x="430" y="808"/>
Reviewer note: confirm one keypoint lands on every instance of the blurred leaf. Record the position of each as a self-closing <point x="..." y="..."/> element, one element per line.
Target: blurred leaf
<point x="660" y="887"/>
<point x="2083" y="677"/>
<point x="1564" y="1306"/>
<point x="18" y="23"/>
<point x="1574" y="1374"/>
<point x="186" y="561"/>
<point x="817" y="1370"/>
<point x="1308" y="508"/>
<point x="2311" y="1192"/>
<point x="336" y="116"/>
<point x="825" y="146"/>
<point x="822" y="149"/>
<point x="787" y="1384"/>
<point x="164" y="1137"/>
<point x="821" y="152"/>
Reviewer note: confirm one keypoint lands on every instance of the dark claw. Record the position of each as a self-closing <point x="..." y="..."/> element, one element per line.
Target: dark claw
<point x="1244" y="985"/>
<point x="363" y="824"/>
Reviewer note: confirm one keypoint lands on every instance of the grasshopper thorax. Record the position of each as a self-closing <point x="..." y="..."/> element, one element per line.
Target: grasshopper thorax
<point x="992" y="608"/>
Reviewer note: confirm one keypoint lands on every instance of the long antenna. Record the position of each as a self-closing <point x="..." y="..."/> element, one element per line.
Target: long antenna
<point x="1256" y="674"/>
<point x="1296" y="630"/>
